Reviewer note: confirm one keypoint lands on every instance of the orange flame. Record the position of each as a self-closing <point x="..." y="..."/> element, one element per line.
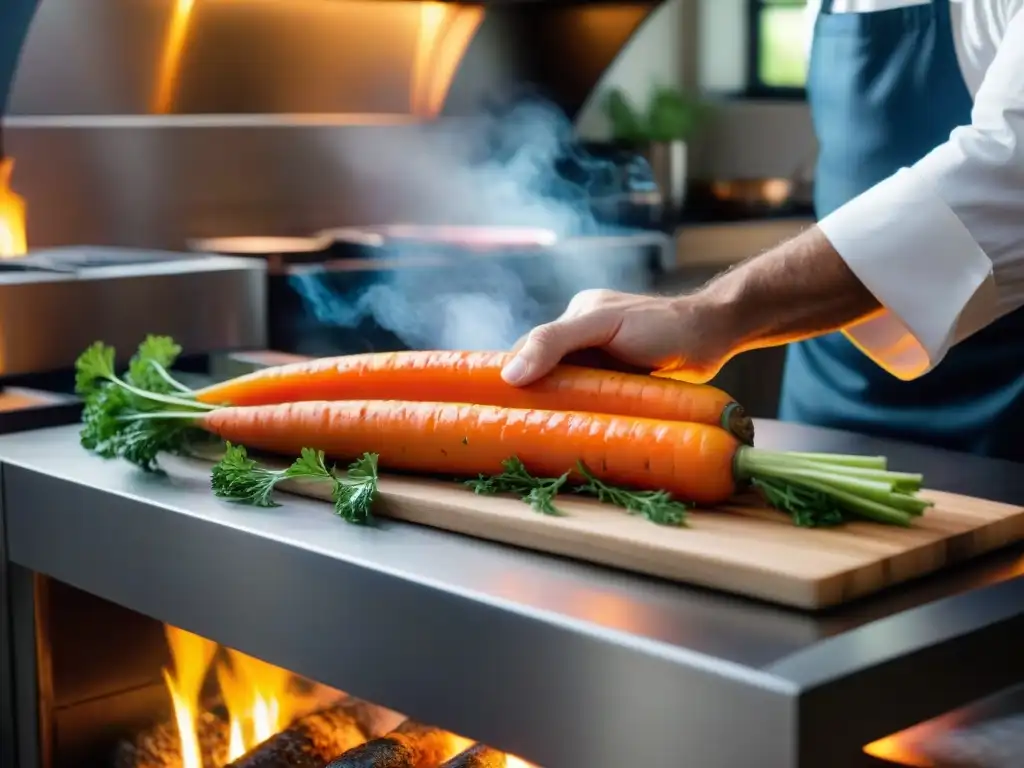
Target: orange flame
<point x="13" y="239"/>
<point x="254" y="692"/>
<point x="445" y="32"/>
<point x="511" y="761"/>
<point x="170" y="61"/>
<point x="256" y="696"/>
<point x="192" y="655"/>
<point x="892" y="750"/>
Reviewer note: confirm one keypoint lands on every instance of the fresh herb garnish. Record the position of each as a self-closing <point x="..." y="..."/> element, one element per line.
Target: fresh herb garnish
<point x="538" y="492"/>
<point x="148" y="368"/>
<point x="238" y="478"/>
<point x="808" y="508"/>
<point x="126" y="418"/>
<point x="541" y="492"/>
<point x="657" y="506"/>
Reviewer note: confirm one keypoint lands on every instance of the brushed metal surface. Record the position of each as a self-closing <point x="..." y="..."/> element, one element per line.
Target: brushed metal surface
<point x="122" y="57"/>
<point x="206" y="303"/>
<point x="533" y="654"/>
<point x="158" y="182"/>
<point x="218" y="57"/>
<point x="285" y="118"/>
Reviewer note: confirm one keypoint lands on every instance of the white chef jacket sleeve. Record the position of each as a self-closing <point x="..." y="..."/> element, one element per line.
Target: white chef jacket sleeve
<point x="941" y="244"/>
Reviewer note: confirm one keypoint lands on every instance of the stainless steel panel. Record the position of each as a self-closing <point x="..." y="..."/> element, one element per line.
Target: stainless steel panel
<point x="206" y="303"/>
<point x="122" y="57"/>
<point x="164" y="120"/>
<point x="8" y="749"/>
<point x="157" y="182"/>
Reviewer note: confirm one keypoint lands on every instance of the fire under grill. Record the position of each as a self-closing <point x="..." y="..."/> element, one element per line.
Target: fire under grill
<point x="124" y="691"/>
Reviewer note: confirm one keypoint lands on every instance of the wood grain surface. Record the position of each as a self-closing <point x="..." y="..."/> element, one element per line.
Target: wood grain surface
<point x="745" y="548"/>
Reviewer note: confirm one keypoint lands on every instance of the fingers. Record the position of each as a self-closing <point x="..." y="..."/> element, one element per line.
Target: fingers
<point x="547" y="344"/>
<point x="520" y="343"/>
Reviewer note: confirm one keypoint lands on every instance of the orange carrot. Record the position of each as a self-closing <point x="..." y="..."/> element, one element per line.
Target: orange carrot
<point x="692" y="461"/>
<point x="146" y="413"/>
<point x="475" y="377"/>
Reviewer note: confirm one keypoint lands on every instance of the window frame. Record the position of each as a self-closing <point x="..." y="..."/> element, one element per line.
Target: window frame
<point x="756" y="87"/>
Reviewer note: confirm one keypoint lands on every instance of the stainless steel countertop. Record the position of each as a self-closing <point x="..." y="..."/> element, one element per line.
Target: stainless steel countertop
<point x="409" y="595"/>
<point x="735" y="629"/>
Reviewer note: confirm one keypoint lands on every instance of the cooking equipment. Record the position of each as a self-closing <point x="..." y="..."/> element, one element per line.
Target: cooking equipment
<point x="533" y="654"/>
<point x="742" y="547"/>
<point x="157" y="123"/>
<point x="765" y="196"/>
<point x="56" y="302"/>
<point x="768" y="193"/>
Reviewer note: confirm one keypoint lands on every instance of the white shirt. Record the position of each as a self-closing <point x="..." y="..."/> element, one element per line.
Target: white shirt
<point x="941" y="244"/>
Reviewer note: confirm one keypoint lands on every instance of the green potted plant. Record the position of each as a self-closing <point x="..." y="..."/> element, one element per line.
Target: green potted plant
<point x="660" y="132"/>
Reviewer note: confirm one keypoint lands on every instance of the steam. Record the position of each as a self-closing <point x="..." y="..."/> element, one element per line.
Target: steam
<point x="518" y="167"/>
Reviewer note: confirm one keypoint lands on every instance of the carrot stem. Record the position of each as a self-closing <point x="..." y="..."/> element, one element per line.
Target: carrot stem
<point x="172" y="382"/>
<point x="899" y="480"/>
<point x="848" y="460"/>
<point x="860" y="488"/>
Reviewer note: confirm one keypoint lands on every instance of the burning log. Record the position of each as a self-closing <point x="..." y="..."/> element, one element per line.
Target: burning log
<point x="312" y="740"/>
<point x="410" y="745"/>
<point x="478" y="756"/>
<point x="160" y="746"/>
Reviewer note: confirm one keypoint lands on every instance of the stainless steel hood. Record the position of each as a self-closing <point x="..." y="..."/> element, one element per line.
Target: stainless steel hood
<point x="143" y="123"/>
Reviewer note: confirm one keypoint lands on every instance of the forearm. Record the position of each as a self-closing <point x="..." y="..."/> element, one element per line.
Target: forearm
<point x="799" y="289"/>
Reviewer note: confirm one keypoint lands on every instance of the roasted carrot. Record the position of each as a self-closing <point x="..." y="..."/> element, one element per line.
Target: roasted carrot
<point x="475" y="377"/>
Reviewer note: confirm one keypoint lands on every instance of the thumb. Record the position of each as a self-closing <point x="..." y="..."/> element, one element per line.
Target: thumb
<point x="547" y="344"/>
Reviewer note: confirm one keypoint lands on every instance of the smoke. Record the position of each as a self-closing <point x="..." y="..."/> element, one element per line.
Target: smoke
<point x="515" y="167"/>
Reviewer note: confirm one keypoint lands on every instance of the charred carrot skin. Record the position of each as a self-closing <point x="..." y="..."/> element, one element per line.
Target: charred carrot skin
<point x="694" y="462"/>
<point x="475" y="377"/>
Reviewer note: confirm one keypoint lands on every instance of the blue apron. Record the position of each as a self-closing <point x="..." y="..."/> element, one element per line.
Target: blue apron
<point x="885" y="88"/>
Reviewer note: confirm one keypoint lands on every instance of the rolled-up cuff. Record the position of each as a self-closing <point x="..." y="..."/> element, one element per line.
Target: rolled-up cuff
<point x="918" y="259"/>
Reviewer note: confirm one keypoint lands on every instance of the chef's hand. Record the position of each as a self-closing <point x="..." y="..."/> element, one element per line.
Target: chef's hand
<point x="682" y="334"/>
<point x="796" y="291"/>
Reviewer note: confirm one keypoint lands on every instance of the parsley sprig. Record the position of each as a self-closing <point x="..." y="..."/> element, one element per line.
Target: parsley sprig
<point x="538" y="492"/>
<point x="541" y="492"/>
<point x="808" y="508"/>
<point x="128" y="417"/>
<point x="657" y="506"/>
<point x="146" y="412"/>
<point x="236" y="477"/>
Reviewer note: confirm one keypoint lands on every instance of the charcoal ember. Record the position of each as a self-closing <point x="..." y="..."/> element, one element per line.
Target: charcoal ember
<point x="477" y="756"/>
<point x="160" y="747"/>
<point x="410" y="745"/>
<point x="992" y="744"/>
<point x="312" y="740"/>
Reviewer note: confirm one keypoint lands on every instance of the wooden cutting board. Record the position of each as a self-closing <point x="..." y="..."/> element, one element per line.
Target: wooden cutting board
<point x="745" y="548"/>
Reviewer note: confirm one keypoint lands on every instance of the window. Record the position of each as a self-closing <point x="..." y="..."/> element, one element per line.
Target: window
<point x="778" y="45"/>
